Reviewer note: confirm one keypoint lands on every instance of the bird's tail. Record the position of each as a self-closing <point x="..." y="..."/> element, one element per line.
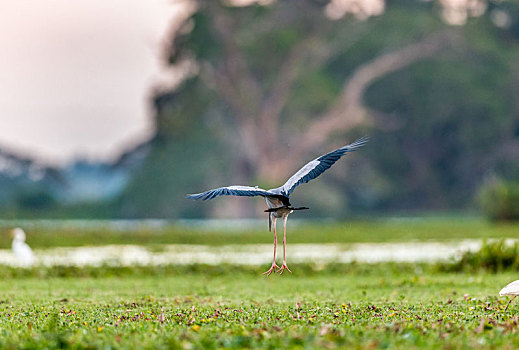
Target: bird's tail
<point x="270" y="222"/>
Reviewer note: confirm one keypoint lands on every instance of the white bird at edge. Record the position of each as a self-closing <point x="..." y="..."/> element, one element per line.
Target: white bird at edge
<point x="278" y="198"/>
<point x="21" y="249"/>
<point x="510" y="289"/>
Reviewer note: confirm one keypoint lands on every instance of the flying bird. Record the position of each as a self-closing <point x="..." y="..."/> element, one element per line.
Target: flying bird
<point x="21" y="249"/>
<point x="510" y="289"/>
<point x="278" y="199"/>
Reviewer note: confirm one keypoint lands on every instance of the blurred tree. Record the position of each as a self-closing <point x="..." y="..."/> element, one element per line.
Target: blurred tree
<point x="272" y="85"/>
<point x="252" y="58"/>
<point x="264" y="64"/>
<point x="35" y="200"/>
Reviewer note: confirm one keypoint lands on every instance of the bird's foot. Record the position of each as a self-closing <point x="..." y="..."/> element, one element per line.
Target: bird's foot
<point x="283" y="268"/>
<point x="272" y="269"/>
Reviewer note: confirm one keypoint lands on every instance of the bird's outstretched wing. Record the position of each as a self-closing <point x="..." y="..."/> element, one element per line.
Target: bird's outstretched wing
<point x="318" y="166"/>
<point x="230" y="191"/>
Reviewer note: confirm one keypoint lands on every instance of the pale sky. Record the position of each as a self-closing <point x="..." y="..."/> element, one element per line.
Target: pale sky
<point x="75" y="76"/>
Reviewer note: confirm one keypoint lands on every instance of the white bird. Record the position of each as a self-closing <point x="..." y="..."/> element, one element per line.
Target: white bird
<point x="510" y="289"/>
<point x="21" y="249"/>
<point x="278" y="198"/>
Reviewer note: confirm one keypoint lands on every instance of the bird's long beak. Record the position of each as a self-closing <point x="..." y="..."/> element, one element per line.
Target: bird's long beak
<point x="300" y="208"/>
<point x="291" y="208"/>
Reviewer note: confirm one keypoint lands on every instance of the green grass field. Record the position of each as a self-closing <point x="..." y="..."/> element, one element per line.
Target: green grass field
<point x="348" y="306"/>
<point x="355" y="306"/>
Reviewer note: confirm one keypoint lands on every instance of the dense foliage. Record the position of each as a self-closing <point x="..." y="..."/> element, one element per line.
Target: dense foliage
<point x="493" y="256"/>
<point x="500" y="200"/>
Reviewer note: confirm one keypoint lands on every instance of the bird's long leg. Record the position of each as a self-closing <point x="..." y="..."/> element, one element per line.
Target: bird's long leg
<point x="284" y="266"/>
<point x="507" y="305"/>
<point x="274" y="266"/>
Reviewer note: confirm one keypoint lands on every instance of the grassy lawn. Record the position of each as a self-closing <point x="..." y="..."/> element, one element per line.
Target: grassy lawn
<point x="350" y="306"/>
<point x="209" y="307"/>
<point x="382" y="230"/>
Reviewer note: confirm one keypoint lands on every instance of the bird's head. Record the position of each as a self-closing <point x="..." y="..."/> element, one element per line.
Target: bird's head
<point x="18" y="234"/>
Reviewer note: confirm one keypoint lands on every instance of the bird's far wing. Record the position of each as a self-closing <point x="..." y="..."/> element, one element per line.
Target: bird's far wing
<point x="230" y="191"/>
<point x="318" y="166"/>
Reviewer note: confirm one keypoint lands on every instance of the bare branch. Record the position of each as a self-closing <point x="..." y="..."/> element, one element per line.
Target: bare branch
<point x="312" y="51"/>
<point x="349" y="110"/>
<point x="308" y="52"/>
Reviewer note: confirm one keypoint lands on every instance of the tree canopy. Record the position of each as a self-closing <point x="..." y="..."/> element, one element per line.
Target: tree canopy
<point x="270" y="87"/>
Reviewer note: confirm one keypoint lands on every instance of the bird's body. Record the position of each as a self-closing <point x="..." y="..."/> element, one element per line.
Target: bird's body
<point x="273" y="202"/>
<point x="21" y="249"/>
<point x="278" y="199"/>
<point x="277" y="208"/>
<point x="512" y="289"/>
